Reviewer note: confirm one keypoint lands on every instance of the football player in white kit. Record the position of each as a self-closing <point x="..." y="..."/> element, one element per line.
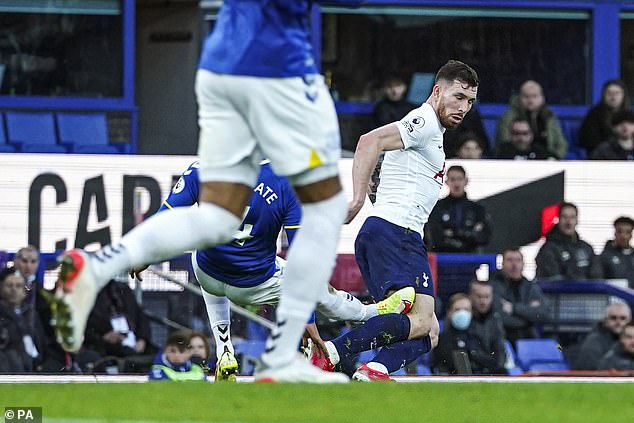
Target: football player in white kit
<point x="389" y="247"/>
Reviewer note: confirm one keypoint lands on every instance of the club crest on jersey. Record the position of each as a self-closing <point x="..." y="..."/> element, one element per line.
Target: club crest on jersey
<point x="180" y="185"/>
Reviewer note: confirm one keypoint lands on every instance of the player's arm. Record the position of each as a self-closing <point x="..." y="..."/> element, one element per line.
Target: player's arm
<point x="369" y="148"/>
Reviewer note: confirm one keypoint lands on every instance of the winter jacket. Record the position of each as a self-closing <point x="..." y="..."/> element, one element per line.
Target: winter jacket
<point x="509" y="151"/>
<point x="617" y="359"/>
<point x="567" y="257"/>
<point x="611" y="150"/>
<point x="387" y="111"/>
<point x="521" y="323"/>
<point x="545" y="125"/>
<point x="595" y="345"/>
<point x="618" y="263"/>
<point x="596" y="127"/>
<point x="452" y="226"/>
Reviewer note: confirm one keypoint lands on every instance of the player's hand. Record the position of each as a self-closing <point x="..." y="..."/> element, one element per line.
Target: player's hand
<point x="136" y="272"/>
<point x="353" y="209"/>
<point x="312" y="333"/>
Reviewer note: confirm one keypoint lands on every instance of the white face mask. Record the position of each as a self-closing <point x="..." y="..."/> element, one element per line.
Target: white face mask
<point x="461" y="319"/>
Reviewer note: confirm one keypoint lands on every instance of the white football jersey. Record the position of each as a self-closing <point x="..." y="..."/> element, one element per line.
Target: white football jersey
<point x="411" y="178"/>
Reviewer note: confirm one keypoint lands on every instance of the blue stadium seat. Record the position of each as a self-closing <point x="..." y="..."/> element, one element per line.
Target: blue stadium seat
<point x="85" y="133"/>
<point x="249" y="351"/>
<point x="33" y="132"/>
<point x="540" y="354"/>
<point x="4" y="147"/>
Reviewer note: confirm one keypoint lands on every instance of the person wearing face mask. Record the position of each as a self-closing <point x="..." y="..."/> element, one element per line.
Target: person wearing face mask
<point x="520" y="302"/>
<point x="565" y="255"/>
<point x="464" y="336"/>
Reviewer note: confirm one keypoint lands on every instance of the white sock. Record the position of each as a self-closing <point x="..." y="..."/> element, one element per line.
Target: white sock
<point x="378" y="367"/>
<point x="341" y="305"/>
<point x="164" y="236"/>
<point x="333" y="354"/>
<point x="219" y="320"/>
<point x="311" y="260"/>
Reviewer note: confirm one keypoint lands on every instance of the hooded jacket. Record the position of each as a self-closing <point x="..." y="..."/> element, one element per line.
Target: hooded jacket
<point x="545" y="125"/>
<point x="618" y="263"/>
<point x="611" y="150"/>
<point x="567" y="257"/>
<point x="595" y="345"/>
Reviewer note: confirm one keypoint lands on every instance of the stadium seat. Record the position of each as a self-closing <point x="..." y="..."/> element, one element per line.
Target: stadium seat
<point x="249" y="352"/>
<point x="85" y="133"/>
<point x="4" y="147"/>
<point x="540" y="354"/>
<point x="33" y="132"/>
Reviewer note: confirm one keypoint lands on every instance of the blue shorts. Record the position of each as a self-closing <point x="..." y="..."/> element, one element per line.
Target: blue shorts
<point x="392" y="257"/>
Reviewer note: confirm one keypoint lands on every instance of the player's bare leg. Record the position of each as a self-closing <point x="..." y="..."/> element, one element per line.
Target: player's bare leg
<point x="164" y="235"/>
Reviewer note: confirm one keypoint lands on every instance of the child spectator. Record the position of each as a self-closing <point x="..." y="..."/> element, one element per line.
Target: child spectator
<point x="174" y="363"/>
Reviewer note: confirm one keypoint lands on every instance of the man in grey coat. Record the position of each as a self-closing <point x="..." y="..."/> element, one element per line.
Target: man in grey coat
<point x="621" y="356"/>
<point x="520" y="302"/>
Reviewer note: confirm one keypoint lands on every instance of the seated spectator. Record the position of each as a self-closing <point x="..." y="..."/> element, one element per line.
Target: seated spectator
<point x="174" y="362"/>
<point x="620" y="146"/>
<point x="521" y="145"/>
<point x="201" y="353"/>
<point x="617" y="258"/>
<point x="457" y="224"/>
<point x="27" y="262"/>
<point x="469" y="146"/>
<point x="531" y="106"/>
<point x="519" y="302"/>
<point x="393" y="106"/>
<point x="596" y="126"/>
<point x="603" y="337"/>
<point x="118" y="327"/>
<point x="471" y="124"/>
<point x="621" y="356"/>
<point x="21" y="336"/>
<point x="565" y="255"/>
<point x="481" y="343"/>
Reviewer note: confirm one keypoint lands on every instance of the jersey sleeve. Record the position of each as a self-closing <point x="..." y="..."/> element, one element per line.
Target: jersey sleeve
<point x="185" y="192"/>
<point x="292" y="213"/>
<point x="415" y="129"/>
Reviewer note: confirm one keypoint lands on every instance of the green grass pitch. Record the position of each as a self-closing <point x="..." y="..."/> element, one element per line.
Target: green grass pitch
<point x="367" y="403"/>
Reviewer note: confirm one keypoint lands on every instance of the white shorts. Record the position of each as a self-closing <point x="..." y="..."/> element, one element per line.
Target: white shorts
<point x="243" y="119"/>
<point x="268" y="292"/>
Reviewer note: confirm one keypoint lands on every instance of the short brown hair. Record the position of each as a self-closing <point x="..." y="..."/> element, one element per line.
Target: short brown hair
<point x="179" y="339"/>
<point x="455" y="69"/>
<point x="455" y="298"/>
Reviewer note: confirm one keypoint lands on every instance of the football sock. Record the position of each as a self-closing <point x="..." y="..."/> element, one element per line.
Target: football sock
<point x="376" y="332"/>
<point x="219" y="319"/>
<point x="311" y="260"/>
<point x="341" y="305"/>
<point x="400" y="354"/>
<point x="163" y="236"/>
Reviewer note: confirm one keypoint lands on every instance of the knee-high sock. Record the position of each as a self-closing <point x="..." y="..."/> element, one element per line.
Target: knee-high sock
<point x="219" y="320"/>
<point x="376" y="332"/>
<point x="311" y="260"/>
<point x="163" y="236"/>
<point x="400" y="354"/>
<point x="341" y="305"/>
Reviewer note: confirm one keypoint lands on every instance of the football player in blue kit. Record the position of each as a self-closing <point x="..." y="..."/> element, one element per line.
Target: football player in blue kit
<point x="247" y="270"/>
<point x="259" y="94"/>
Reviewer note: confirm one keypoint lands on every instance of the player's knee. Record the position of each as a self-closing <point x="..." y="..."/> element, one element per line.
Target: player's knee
<point x="420" y="325"/>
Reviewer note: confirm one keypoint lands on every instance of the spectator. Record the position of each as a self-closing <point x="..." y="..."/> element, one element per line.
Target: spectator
<point x="27" y="262"/>
<point x="565" y="255"/>
<point x="463" y="338"/>
<point x="118" y="327"/>
<point x="174" y="363"/>
<point x="201" y="353"/>
<point x="620" y="146"/>
<point x="603" y="337"/>
<point x="617" y="258"/>
<point x="519" y="301"/>
<point x="21" y="347"/>
<point x="469" y="146"/>
<point x="621" y="356"/>
<point x="471" y="124"/>
<point x="457" y="224"/>
<point x="597" y="124"/>
<point x="545" y="126"/>
<point x="393" y="106"/>
<point x="521" y="145"/>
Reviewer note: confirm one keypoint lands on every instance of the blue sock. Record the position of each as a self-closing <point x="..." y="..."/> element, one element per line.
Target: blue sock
<point x="376" y="332"/>
<point x="400" y="354"/>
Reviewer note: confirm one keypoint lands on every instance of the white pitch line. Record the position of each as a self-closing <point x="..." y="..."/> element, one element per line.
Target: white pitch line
<point x="26" y="379"/>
